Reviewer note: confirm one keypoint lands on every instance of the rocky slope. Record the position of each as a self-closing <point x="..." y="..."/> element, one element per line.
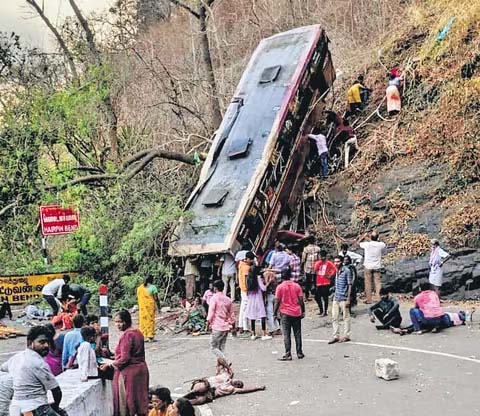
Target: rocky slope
<point x="416" y="177"/>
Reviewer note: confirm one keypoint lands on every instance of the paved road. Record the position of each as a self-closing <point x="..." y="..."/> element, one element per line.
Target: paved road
<point x="442" y="378"/>
<point x="335" y="379"/>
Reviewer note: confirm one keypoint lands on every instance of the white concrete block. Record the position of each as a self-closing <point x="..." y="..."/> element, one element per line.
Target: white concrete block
<point x="89" y="398"/>
<point x="386" y="368"/>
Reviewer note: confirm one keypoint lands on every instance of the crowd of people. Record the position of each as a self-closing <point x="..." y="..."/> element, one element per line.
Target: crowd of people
<point x="272" y="291"/>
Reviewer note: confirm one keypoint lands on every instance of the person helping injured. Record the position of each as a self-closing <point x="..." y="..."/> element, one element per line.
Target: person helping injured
<point x="205" y="390"/>
<point x="386" y="311"/>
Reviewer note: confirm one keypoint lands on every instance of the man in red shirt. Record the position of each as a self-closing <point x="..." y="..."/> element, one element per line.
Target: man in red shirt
<point x="289" y="302"/>
<point x="324" y="270"/>
<point x="221" y="319"/>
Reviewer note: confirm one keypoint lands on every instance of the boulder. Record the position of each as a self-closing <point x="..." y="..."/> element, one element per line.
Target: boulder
<point x="386" y="368"/>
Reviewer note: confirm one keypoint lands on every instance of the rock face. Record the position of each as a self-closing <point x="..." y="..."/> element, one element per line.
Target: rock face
<point x="386" y="369"/>
<point x="404" y="200"/>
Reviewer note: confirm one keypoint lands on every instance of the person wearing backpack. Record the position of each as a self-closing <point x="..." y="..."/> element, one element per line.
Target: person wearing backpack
<point x="255" y="302"/>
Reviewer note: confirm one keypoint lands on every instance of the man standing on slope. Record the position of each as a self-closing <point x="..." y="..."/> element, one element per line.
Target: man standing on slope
<point x="438" y="256"/>
<point x="373" y="265"/>
<point x="221" y="319"/>
<point x="289" y="302"/>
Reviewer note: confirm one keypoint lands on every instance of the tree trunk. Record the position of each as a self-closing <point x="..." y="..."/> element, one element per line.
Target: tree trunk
<point x="207" y="61"/>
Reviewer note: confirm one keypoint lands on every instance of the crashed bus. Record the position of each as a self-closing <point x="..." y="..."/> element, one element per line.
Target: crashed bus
<point x="251" y="183"/>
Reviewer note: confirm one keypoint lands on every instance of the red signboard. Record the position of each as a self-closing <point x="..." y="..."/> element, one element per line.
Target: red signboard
<point x="57" y="220"/>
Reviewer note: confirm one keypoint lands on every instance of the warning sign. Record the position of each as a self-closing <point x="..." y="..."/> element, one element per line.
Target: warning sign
<point x="21" y="289"/>
<point x="57" y="220"/>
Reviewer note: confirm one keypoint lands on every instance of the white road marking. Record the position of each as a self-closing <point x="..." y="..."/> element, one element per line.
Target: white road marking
<point x="394" y="347"/>
<point x="368" y="344"/>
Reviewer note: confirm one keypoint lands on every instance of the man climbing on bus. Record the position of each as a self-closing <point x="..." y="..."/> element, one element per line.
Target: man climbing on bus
<point x="321" y="158"/>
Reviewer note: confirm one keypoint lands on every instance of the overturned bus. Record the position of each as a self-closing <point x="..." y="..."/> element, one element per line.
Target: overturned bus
<point x="251" y="182"/>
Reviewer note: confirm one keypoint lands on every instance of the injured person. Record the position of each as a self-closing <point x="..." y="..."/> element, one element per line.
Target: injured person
<point x="386" y="311"/>
<point x="205" y="390"/>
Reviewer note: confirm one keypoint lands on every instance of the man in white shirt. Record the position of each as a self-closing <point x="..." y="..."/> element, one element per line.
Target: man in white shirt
<point x="52" y="292"/>
<point x="356" y="258"/>
<point x="373" y="250"/>
<point x="32" y="377"/>
<point x="322" y="150"/>
<point x="228" y="271"/>
<point x="6" y="393"/>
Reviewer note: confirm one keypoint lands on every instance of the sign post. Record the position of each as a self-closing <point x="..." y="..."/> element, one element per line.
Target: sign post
<point x="103" y="298"/>
<point x="44" y="250"/>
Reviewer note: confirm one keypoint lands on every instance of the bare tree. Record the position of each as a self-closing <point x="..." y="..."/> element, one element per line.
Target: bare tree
<point x="63" y="46"/>
<point x="201" y="14"/>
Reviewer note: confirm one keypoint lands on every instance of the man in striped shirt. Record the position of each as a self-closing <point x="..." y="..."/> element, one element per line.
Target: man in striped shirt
<point x="294" y="264"/>
<point x="341" y="301"/>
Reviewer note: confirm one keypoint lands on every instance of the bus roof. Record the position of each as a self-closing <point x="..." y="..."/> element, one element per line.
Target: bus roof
<point x="243" y="144"/>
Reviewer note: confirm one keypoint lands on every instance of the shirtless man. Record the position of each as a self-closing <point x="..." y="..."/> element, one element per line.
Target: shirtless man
<point x="205" y="390"/>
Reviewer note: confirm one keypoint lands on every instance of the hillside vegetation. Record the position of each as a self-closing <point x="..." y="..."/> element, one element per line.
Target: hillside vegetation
<point x="417" y="176"/>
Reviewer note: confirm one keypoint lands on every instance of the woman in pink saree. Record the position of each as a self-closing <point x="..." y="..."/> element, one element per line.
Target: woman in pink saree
<point x="130" y="380"/>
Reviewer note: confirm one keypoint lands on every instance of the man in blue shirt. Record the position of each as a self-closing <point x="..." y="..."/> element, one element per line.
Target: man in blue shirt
<point x="280" y="261"/>
<point x="72" y="340"/>
<point x="341" y="301"/>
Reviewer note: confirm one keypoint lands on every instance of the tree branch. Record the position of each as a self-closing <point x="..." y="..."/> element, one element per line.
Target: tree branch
<point x="83" y="180"/>
<point x="144" y="157"/>
<point x="87" y="30"/>
<point x="7" y="208"/>
<point x="186" y="7"/>
<point x="61" y="42"/>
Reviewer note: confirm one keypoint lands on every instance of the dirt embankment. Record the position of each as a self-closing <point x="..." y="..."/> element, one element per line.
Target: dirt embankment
<point x="416" y="176"/>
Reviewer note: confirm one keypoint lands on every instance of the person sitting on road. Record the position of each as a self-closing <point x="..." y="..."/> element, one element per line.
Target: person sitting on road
<point x="182" y="407"/>
<point x="205" y="390"/>
<point x="427" y="313"/>
<point x="386" y="310"/>
<point x="162" y="402"/>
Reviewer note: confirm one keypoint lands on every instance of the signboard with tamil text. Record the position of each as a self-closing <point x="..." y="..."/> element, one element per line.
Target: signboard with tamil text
<point x="57" y="220"/>
<point x="22" y="289"/>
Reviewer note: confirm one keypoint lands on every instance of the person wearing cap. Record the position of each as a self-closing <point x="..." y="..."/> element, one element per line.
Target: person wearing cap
<point x="373" y="251"/>
<point x="438" y="257"/>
